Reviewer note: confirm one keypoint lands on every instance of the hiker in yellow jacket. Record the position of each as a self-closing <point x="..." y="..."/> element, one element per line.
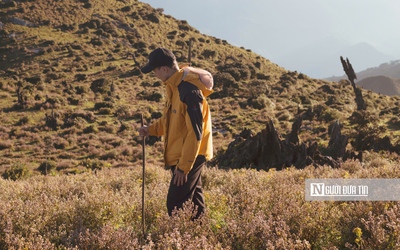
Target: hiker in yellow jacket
<point x="185" y="126"/>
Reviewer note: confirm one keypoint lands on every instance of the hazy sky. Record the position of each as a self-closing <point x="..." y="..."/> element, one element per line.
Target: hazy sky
<point x="273" y="28"/>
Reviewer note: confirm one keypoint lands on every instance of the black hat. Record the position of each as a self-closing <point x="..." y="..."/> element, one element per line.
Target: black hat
<point x="157" y="58"/>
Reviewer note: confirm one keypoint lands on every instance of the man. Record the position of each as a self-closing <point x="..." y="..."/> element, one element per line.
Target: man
<point x="185" y="126"/>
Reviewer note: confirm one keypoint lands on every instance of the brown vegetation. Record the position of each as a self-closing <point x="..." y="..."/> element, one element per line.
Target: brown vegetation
<point x="71" y="99"/>
<point x="246" y="209"/>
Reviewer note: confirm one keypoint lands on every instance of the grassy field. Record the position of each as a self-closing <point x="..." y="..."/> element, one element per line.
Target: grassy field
<point x="246" y="209"/>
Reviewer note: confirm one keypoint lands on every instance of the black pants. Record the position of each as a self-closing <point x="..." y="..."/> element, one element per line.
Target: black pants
<point x="190" y="191"/>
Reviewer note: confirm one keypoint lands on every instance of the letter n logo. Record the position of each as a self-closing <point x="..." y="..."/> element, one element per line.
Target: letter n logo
<point x="317" y="189"/>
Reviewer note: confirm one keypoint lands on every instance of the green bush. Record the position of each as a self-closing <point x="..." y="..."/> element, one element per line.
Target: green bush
<point x="94" y="164"/>
<point x="261" y="102"/>
<point x="105" y="104"/>
<point x="330" y="115"/>
<point x="18" y="171"/>
<point x="149" y="96"/>
<point x="3" y="85"/>
<point x="101" y="86"/>
<point x="105" y="111"/>
<point x="23" y="120"/>
<point x="90" y="129"/>
<point x="47" y="167"/>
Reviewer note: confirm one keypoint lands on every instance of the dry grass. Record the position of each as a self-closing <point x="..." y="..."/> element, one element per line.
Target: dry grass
<point x="246" y="209"/>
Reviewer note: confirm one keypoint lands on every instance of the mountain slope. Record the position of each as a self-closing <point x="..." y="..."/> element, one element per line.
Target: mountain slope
<point x="388" y="73"/>
<point x="381" y="84"/>
<point x="72" y="93"/>
<point x="390" y="69"/>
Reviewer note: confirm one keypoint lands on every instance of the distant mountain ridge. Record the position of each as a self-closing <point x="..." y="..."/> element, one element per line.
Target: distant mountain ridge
<point x="381" y="84"/>
<point x="324" y="56"/>
<point x="384" y="79"/>
<point x="389" y="69"/>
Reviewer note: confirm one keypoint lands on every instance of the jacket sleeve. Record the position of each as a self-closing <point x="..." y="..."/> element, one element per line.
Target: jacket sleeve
<point x="192" y="98"/>
<point x="157" y="127"/>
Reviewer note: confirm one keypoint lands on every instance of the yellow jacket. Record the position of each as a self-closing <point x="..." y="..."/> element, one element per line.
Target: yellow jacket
<point x="186" y="121"/>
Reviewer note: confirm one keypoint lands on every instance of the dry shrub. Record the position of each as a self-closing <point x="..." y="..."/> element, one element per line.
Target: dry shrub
<point x="60" y="143"/>
<point x="381" y="231"/>
<point x="378" y="163"/>
<point x="47" y="167"/>
<point x="261" y="101"/>
<point x="66" y="164"/>
<point x="23" y="121"/>
<point x="330" y="115"/>
<point x="283" y="115"/>
<point x="246" y="209"/>
<point x="123" y="112"/>
<point x="18" y="171"/>
<point x="108" y="237"/>
<point x="352" y="166"/>
<point x="180" y="232"/>
<point x="6" y="144"/>
<point x="112" y="154"/>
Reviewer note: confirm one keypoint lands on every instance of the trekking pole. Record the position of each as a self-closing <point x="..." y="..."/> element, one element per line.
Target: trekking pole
<point x="143" y="176"/>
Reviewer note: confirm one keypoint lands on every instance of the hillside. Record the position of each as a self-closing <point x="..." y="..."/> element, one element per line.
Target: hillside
<point x="381" y="84"/>
<point x="390" y="70"/>
<point x="72" y="93"/>
<point x="383" y="79"/>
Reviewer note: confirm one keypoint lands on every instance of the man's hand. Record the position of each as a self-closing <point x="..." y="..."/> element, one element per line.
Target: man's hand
<point x="143" y="131"/>
<point x="180" y="177"/>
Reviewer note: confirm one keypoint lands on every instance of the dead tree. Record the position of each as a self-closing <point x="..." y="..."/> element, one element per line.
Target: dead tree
<point x="19" y="95"/>
<point x="338" y="142"/>
<point x="348" y="69"/>
<point x="51" y="120"/>
<point x="190" y="52"/>
<point x="268" y="150"/>
<point x="134" y="58"/>
<point x="261" y="151"/>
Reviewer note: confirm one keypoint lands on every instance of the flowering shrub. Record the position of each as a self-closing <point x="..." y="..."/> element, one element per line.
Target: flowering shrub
<point x="246" y="209"/>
